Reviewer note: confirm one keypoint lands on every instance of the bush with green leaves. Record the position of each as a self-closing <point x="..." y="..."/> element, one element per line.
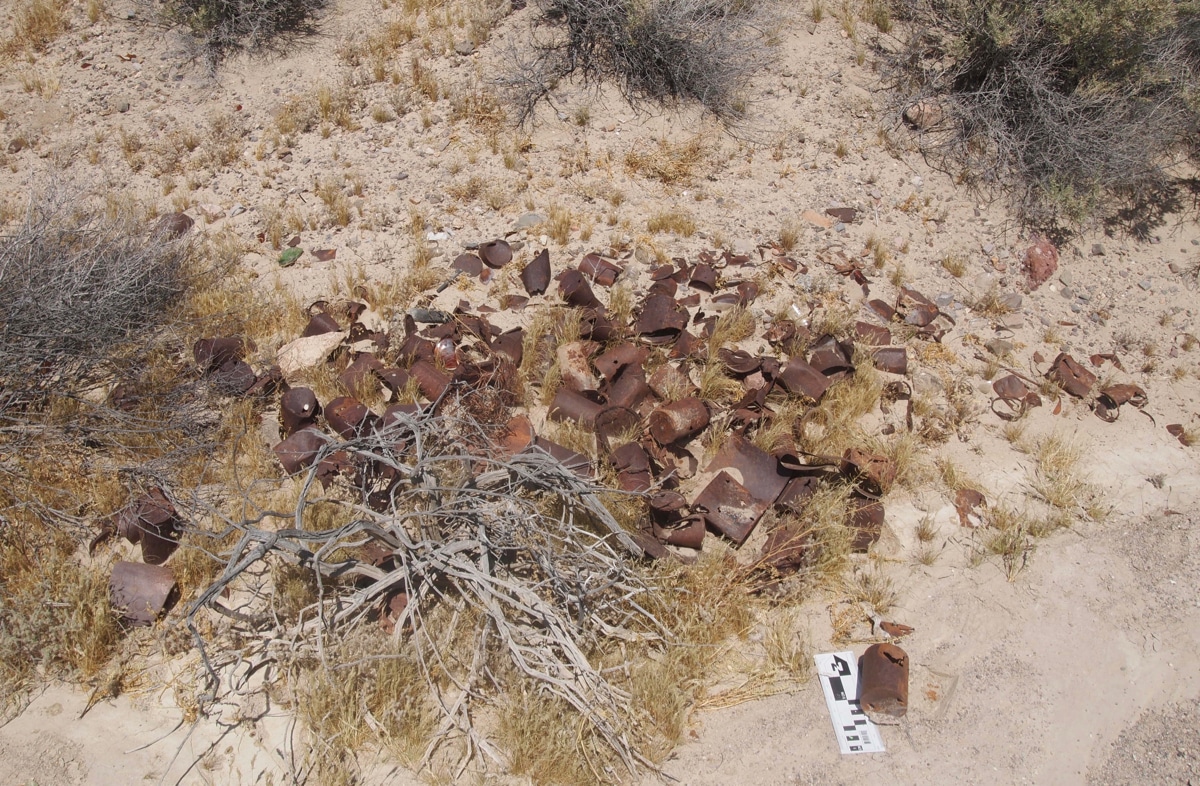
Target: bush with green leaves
<point x="1082" y="107"/>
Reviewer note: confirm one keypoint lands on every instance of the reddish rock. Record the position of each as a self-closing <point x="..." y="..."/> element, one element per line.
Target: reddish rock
<point x="1041" y="261"/>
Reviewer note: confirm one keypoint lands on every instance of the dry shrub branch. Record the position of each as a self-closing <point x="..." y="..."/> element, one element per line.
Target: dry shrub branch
<point x="703" y="51"/>
<point x="1080" y="107"/>
<point x="77" y="281"/>
<point x="220" y="28"/>
<point x="495" y="571"/>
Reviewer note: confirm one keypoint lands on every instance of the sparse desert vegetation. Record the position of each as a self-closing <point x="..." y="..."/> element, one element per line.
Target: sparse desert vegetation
<point x="551" y="274"/>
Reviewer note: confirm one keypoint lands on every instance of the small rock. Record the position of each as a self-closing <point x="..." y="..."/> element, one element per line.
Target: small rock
<point x="923" y="115"/>
<point x="1076" y="308"/>
<point x="528" y="220"/>
<point x="1012" y="321"/>
<point x="1097" y="250"/>
<point x="307" y="352"/>
<point x="1066" y="278"/>
<point x="212" y="212"/>
<point x="815" y="218"/>
<point x="984" y="282"/>
<point x="1145" y="284"/>
<point x="927" y="382"/>
<point x="999" y="347"/>
<point x="1067" y="293"/>
<point x="743" y="247"/>
<point x="1012" y="301"/>
<point x="1175" y="267"/>
<point x="402" y="176"/>
<point x="17" y="145"/>
<point x="237" y="210"/>
<point x="1041" y="262"/>
<point x="464" y="48"/>
<point x="123" y="107"/>
<point x="944" y="300"/>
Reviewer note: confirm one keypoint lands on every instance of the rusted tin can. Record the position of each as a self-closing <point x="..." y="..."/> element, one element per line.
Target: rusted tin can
<point x="883" y="683"/>
<point x="678" y="421"/>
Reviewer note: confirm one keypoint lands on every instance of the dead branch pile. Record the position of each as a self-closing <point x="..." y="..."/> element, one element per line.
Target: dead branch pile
<point x="531" y="564"/>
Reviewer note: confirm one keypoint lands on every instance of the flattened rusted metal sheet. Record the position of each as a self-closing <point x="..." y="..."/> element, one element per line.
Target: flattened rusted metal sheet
<point x="661" y="319"/>
<point x="1074" y="378"/>
<point x="600" y="270"/>
<point x="431" y="381"/>
<point x="632" y="466"/>
<point x="893" y="360"/>
<point x="140" y="592"/>
<point x="867" y="522"/>
<point x="362" y="371"/>
<point x="801" y="379"/>
<point x="574" y="289"/>
<point x="872" y="335"/>
<point x="536" y="275"/>
<point x="734" y="507"/>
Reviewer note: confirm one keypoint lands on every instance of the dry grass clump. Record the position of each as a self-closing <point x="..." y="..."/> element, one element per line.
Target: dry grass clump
<point x="955" y="265"/>
<point x="1009" y="536"/>
<point x="674" y="220"/>
<point x="479" y="107"/>
<point x="558" y="224"/>
<point x="36" y="24"/>
<point x="54" y="613"/>
<point x="1057" y="481"/>
<point x="668" y="162"/>
<point x="991" y="303"/>
<point x="871" y="586"/>
<point x="368" y="675"/>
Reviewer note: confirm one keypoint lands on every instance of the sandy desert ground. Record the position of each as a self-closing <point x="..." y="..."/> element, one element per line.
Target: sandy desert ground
<point x="1084" y="668"/>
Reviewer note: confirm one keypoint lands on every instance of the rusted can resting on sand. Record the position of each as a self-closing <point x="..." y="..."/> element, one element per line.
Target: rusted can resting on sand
<point x="678" y="421"/>
<point x="883" y="683"/>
